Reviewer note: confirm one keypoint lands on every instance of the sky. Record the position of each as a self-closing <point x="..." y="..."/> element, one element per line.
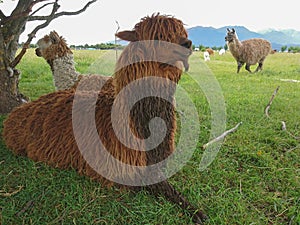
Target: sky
<point x="98" y="23"/>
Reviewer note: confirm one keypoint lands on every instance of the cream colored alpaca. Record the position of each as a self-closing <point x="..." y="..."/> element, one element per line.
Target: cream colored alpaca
<point x="54" y="49"/>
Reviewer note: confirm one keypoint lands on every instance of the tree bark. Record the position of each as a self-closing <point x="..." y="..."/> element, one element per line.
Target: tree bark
<point x="9" y="94"/>
<point x="11" y="28"/>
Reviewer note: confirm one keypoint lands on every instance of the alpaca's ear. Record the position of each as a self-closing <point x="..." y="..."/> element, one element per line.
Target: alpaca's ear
<point x="127" y="35"/>
<point x="233" y="30"/>
<point x="54" y="37"/>
<point x="228" y="30"/>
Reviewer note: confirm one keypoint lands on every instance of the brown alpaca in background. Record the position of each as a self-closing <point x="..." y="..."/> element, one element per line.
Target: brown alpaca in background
<point x="54" y="49"/>
<point x="250" y="51"/>
<point x="210" y="51"/>
<point x="44" y="131"/>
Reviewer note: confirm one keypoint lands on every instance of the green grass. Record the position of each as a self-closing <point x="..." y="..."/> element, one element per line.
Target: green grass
<point x="255" y="178"/>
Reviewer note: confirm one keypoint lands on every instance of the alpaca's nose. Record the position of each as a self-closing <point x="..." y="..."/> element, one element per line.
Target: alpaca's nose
<point x="187" y="44"/>
<point x="38" y="52"/>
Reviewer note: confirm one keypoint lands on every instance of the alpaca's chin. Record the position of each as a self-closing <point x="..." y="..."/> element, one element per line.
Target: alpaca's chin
<point x="182" y="65"/>
<point x="179" y="65"/>
<point x="186" y="65"/>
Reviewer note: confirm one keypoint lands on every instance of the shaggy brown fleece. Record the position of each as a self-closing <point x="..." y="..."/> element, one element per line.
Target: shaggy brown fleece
<point x="250" y="51"/>
<point x="43" y="129"/>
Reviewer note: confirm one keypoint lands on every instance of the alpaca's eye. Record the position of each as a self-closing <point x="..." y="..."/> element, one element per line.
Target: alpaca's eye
<point x="187" y="43"/>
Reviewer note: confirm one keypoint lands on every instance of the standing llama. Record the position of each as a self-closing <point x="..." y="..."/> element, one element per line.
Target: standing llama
<point x="250" y="51"/>
<point x="54" y="49"/>
<point x="45" y="129"/>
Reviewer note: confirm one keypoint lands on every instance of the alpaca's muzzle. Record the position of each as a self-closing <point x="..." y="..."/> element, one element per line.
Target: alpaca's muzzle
<point x="38" y="52"/>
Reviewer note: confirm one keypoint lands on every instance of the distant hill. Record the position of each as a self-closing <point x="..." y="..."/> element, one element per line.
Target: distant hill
<point x="210" y="36"/>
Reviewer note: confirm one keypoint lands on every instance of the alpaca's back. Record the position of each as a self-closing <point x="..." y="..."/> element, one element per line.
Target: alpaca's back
<point x="253" y="50"/>
<point x="37" y="126"/>
<point x="25" y="123"/>
<point x="43" y="130"/>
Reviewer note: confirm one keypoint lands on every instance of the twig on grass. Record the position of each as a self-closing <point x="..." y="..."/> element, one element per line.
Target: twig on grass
<point x="283" y="127"/>
<point x="25" y="208"/>
<point x="270" y="102"/>
<point x="290" y="80"/>
<point x="292" y="149"/>
<point x="9" y="194"/>
<point x="222" y="136"/>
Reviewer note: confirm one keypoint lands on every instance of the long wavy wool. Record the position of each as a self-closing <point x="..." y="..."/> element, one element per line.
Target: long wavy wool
<point x="43" y="129"/>
<point x="251" y="51"/>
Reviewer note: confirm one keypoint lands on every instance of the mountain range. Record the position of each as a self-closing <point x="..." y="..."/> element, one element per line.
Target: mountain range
<point x="210" y="36"/>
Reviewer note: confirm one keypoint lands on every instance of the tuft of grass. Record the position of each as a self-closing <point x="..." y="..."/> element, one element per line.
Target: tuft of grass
<point x="255" y="178"/>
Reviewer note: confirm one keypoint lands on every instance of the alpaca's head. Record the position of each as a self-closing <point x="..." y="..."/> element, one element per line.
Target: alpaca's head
<point x="231" y="35"/>
<point x="52" y="46"/>
<point x="160" y="36"/>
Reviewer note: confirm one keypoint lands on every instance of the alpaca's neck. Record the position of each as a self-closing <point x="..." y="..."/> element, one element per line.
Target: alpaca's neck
<point x="64" y="72"/>
<point x="235" y="47"/>
<point x="150" y="94"/>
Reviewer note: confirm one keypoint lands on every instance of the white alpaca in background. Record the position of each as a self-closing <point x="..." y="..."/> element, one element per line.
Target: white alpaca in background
<point x="222" y="51"/>
<point x="206" y="56"/>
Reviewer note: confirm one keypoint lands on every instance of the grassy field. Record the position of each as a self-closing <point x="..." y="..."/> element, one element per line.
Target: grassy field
<point x="255" y="178"/>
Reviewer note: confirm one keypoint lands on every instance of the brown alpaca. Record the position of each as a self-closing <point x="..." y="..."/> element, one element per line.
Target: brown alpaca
<point x="54" y="49"/>
<point x="45" y="130"/>
<point x="250" y="51"/>
<point x="210" y="51"/>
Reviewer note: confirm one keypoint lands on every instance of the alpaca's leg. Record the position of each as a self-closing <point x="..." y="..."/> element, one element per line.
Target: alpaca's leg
<point x="240" y="64"/>
<point x="248" y="67"/>
<point x="259" y="67"/>
<point x="260" y="64"/>
<point x="164" y="188"/>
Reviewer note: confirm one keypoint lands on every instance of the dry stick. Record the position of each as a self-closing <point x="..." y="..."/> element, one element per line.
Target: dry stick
<point x="270" y="102"/>
<point x="6" y="194"/>
<point x="25" y="208"/>
<point x="292" y="149"/>
<point x="289" y="133"/>
<point x="118" y="28"/>
<point x="283" y="127"/>
<point x="222" y="136"/>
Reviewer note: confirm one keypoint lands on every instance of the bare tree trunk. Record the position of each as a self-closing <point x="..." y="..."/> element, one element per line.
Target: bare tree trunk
<point x="9" y="94"/>
<point x="11" y="28"/>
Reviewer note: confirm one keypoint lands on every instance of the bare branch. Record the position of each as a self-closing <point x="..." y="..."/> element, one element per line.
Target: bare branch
<point x="2" y="16"/>
<point x="77" y="12"/>
<point x="222" y="136"/>
<point x="270" y="102"/>
<point x="18" y="15"/>
<point x="118" y="28"/>
<point x="43" y="6"/>
<point x="34" y="18"/>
